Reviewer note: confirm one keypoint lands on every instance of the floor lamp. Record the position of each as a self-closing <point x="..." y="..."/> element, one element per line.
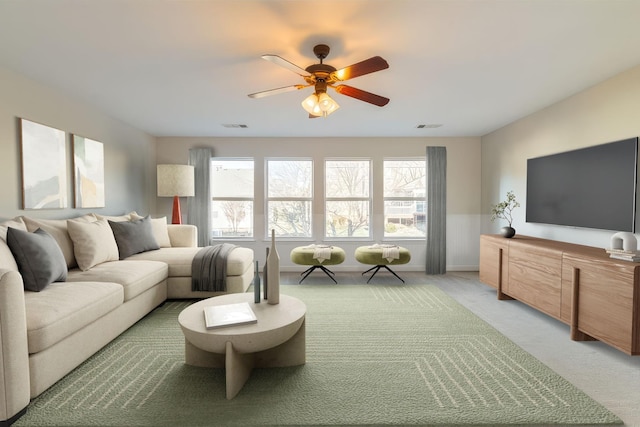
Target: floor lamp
<point x="176" y="181"/>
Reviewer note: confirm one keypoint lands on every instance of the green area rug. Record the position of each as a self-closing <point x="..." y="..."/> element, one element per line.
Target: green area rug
<point x="376" y="355"/>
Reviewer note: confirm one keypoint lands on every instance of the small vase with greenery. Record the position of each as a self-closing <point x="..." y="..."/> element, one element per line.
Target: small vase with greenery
<point x="504" y="210"/>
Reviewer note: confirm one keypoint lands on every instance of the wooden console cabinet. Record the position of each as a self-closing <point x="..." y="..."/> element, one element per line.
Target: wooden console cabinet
<point x="599" y="297"/>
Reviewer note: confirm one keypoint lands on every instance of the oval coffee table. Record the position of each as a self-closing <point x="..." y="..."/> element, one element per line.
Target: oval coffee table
<point x="277" y="339"/>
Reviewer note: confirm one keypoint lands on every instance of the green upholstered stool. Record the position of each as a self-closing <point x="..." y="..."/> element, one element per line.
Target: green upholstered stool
<point x="373" y="256"/>
<point x="304" y="255"/>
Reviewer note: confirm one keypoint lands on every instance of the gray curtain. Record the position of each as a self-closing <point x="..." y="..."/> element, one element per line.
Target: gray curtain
<point x="200" y="205"/>
<point x="436" y="262"/>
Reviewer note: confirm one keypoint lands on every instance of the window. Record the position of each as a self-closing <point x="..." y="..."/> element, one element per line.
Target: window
<point x="347" y="198"/>
<point x="404" y="198"/>
<point x="232" y="198"/>
<point x="289" y="197"/>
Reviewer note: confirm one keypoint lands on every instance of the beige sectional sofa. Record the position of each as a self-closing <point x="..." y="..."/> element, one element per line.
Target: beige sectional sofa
<point x="45" y="334"/>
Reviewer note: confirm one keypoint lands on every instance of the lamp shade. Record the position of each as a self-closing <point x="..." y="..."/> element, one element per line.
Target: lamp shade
<point x="320" y="105"/>
<point x="176" y="180"/>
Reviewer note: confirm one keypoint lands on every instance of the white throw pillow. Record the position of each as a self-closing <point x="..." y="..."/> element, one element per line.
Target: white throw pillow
<point x="93" y="243"/>
<point x="58" y="229"/>
<point x="6" y="256"/>
<point x="119" y="218"/>
<point x="159" y="229"/>
<point x="16" y="222"/>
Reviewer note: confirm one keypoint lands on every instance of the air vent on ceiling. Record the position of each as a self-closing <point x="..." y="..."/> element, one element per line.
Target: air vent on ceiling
<point x="235" y="126"/>
<point x="431" y="126"/>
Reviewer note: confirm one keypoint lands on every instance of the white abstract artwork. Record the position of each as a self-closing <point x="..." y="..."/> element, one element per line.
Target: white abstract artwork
<point x="44" y="166"/>
<point x="88" y="168"/>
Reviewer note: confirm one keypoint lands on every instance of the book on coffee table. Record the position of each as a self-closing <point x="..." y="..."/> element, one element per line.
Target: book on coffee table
<point x="218" y="316"/>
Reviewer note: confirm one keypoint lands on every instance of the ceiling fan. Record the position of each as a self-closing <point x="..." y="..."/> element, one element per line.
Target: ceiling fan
<point x="322" y="76"/>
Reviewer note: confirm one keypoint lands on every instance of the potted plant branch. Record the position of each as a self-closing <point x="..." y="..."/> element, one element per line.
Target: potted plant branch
<point x="504" y="210"/>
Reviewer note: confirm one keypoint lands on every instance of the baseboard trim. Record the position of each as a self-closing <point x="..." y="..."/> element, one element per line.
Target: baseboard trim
<point x="463" y="268"/>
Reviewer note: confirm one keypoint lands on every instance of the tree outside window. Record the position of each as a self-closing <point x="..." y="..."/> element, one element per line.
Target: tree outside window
<point x="289" y="197"/>
<point x="404" y="198"/>
<point x="232" y="182"/>
<point x="347" y="198"/>
<point x="347" y="202"/>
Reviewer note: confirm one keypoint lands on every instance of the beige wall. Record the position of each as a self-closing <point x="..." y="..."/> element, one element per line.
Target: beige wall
<point x="603" y="113"/>
<point x="129" y="153"/>
<point x="606" y="112"/>
<point x="463" y="186"/>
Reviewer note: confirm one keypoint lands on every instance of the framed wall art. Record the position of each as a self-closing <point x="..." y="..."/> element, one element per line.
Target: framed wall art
<point x="88" y="170"/>
<point x="44" y="166"/>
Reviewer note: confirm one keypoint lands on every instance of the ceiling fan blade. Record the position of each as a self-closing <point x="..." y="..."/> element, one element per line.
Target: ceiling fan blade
<point x="286" y="64"/>
<point x="276" y="91"/>
<point x="367" y="66"/>
<point x="362" y="95"/>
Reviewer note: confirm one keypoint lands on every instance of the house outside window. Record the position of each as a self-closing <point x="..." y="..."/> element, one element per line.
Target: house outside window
<point x="404" y="198"/>
<point x="232" y="184"/>
<point x="289" y="197"/>
<point x="347" y="198"/>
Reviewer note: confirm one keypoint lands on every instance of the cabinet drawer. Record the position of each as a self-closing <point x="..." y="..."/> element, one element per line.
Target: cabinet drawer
<point x="535" y="277"/>
<point x="606" y="301"/>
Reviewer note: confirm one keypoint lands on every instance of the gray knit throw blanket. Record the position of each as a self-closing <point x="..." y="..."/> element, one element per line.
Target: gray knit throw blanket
<point x="209" y="268"/>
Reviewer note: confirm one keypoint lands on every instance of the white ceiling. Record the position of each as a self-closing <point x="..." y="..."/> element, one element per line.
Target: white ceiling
<point x="185" y="67"/>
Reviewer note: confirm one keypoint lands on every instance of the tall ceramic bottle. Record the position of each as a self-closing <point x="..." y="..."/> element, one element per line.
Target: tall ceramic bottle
<point x="273" y="272"/>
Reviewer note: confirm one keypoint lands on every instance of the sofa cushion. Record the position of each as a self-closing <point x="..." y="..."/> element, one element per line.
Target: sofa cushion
<point x="178" y="259"/>
<point x="64" y="308"/>
<point x="7" y="261"/>
<point x="39" y="258"/>
<point x="93" y="242"/>
<point x="133" y="237"/>
<point x="183" y="235"/>
<point x="238" y="261"/>
<point x="58" y="229"/>
<point x="159" y="229"/>
<point x="135" y="276"/>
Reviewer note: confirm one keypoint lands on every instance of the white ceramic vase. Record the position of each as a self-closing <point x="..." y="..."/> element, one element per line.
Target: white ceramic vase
<point x="273" y="272"/>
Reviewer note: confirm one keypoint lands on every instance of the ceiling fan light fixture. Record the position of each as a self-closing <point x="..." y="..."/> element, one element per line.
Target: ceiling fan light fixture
<point x="310" y="104"/>
<point x="321" y="76"/>
<point x="327" y="104"/>
<point x="319" y="105"/>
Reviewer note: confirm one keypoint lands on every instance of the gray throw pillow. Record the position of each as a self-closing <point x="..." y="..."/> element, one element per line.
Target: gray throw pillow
<point x="134" y="237"/>
<point x="40" y="260"/>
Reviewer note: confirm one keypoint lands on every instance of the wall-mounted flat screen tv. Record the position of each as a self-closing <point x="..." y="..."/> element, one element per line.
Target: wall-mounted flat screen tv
<point x="593" y="187"/>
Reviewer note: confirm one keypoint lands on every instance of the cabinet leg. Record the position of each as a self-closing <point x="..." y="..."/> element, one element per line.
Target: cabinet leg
<point x="575" y="301"/>
<point x="576" y="333"/>
<point x="503" y="297"/>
